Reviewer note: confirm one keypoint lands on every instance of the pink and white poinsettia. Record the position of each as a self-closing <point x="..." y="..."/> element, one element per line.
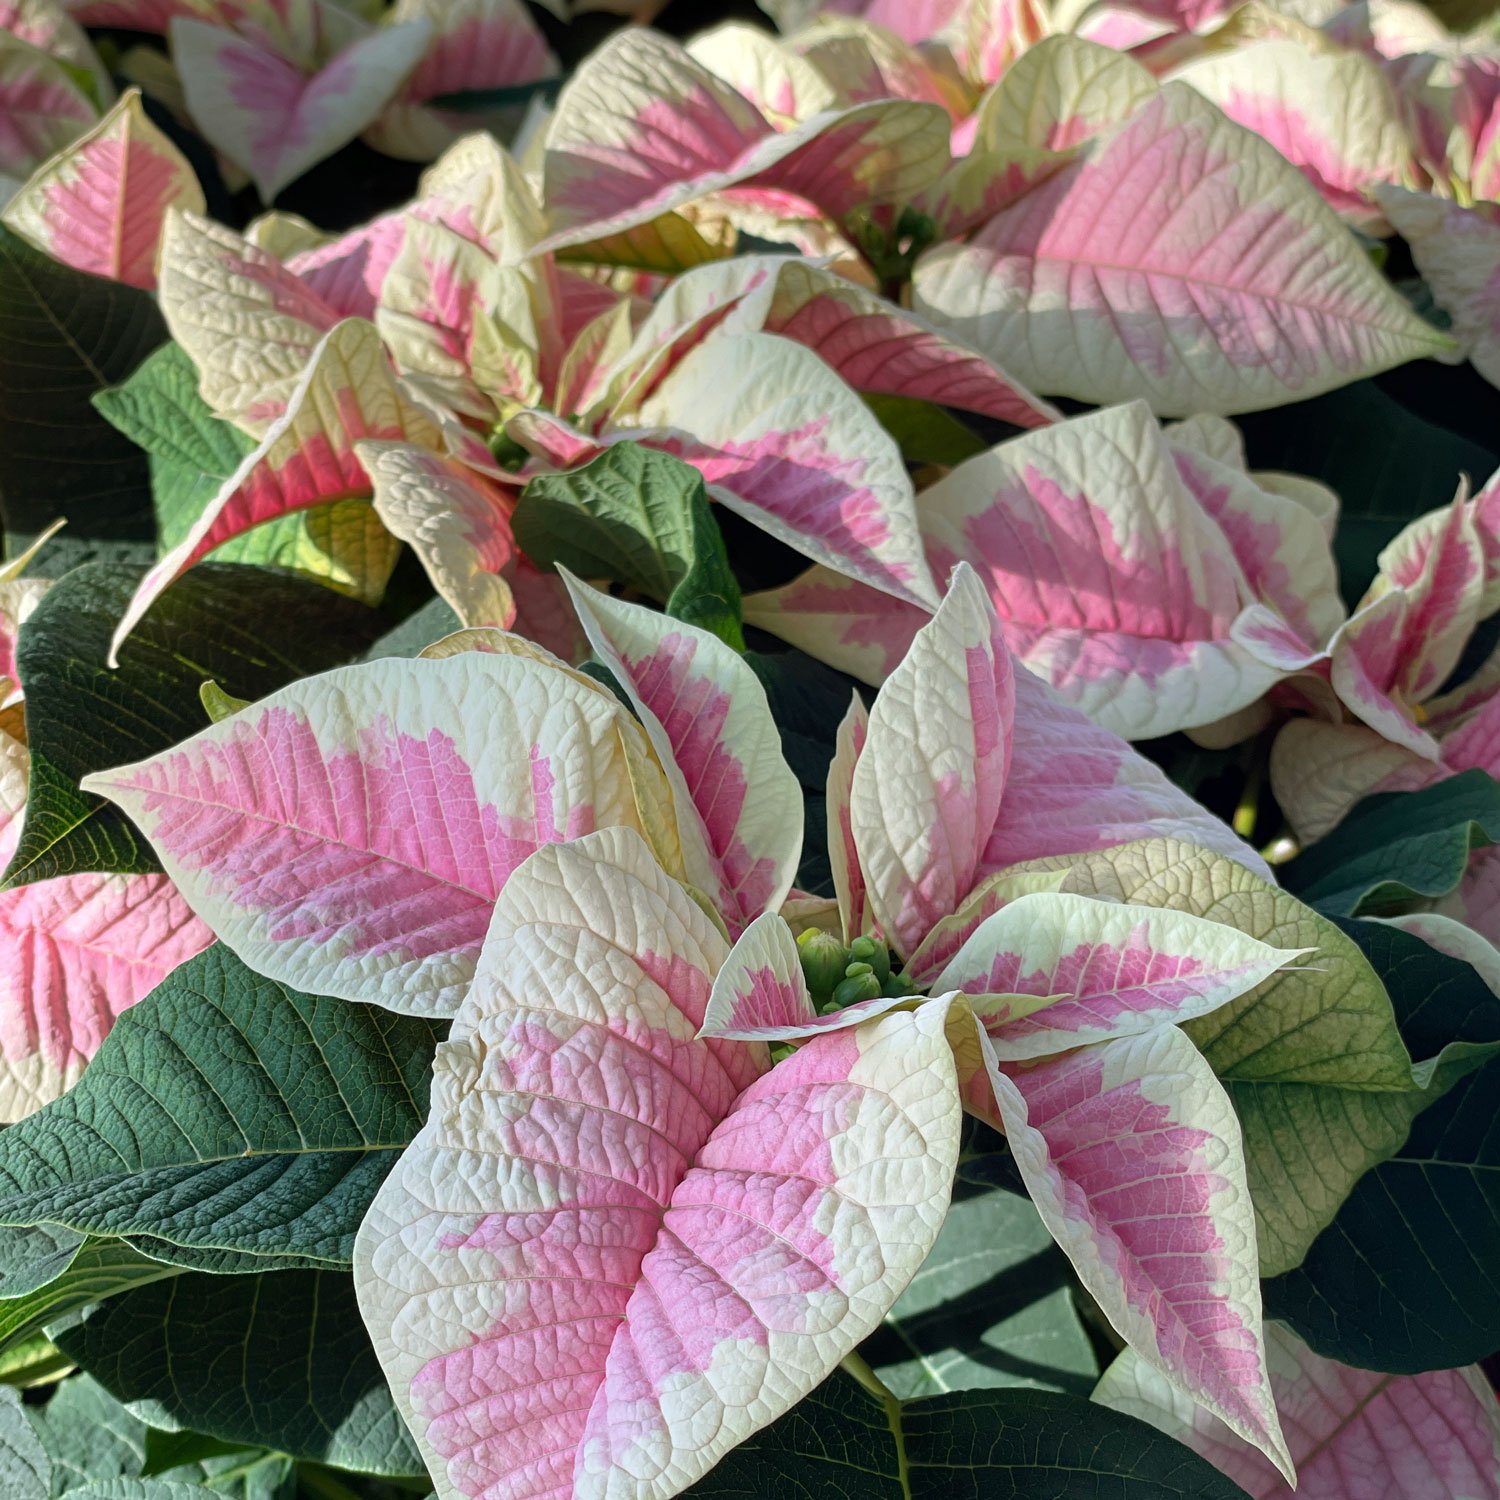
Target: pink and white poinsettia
<point x="1386" y="666"/>
<point x="100" y="204"/>
<point x="1124" y="562"/>
<point x="643" y="130"/>
<point x="75" y="950"/>
<point x="1354" y="1434"/>
<point x="1224" y="284"/>
<point x="52" y="86"/>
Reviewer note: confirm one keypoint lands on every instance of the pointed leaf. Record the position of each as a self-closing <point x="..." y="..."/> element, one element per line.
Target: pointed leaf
<point x="760" y="985"/>
<point x="641" y="518"/>
<point x="350" y="833"/>
<point x="227" y="1123"/>
<point x="739" y="807"/>
<point x="1110" y="581"/>
<point x="249" y="324"/>
<point x="455" y="520"/>
<point x="842" y="1440"/>
<point x="269" y="117"/>
<point x="193" y="452"/>
<point x="1225" y="285"/>
<point x="1356" y="1433"/>
<point x="65" y="335"/>
<point x="927" y="788"/>
<point x="43" y="103"/>
<point x="1312" y="1057"/>
<point x="82" y="716"/>
<point x="574" y="1054"/>
<point x="1170" y="1260"/>
<point x="780" y="439"/>
<point x="1398" y="846"/>
<point x="843" y="857"/>
<point x="306" y="458"/>
<point x="100" y="205"/>
<point x="1059" y="970"/>
<point x="79" y="950"/>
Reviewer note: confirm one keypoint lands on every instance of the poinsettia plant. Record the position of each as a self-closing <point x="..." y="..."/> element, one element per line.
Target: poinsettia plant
<point x="748" y="758"/>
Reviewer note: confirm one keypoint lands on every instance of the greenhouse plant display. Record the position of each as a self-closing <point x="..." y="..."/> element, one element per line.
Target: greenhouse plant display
<point x="749" y="752"/>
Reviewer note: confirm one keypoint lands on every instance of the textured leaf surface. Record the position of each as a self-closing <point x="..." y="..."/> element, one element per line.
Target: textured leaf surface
<point x="307" y="457"/>
<point x="1355" y="1434"/>
<point x="1172" y="1263"/>
<point x="192" y="452"/>
<point x="1060" y="970"/>
<point x="79" y="950"/>
<point x="781" y="439"/>
<point x="1399" y="846"/>
<point x="641" y="518"/>
<point x="100" y="205"/>
<point x="24" y="1465"/>
<point x="1222" y="285"/>
<point x="739" y="807"/>
<point x="971" y="1445"/>
<point x="270" y="118"/>
<point x="674" y="1169"/>
<point x="1111" y="582"/>
<point x="63" y="336"/>
<point x="350" y="833"/>
<point x="927" y="788"/>
<point x="227" y="1123"/>
<point x="1312" y="1058"/>
<point x="279" y="1360"/>
<point x="83" y="717"/>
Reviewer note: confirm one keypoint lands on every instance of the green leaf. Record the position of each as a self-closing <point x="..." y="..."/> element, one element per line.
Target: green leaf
<point x="25" y="1469"/>
<point x="343" y="545"/>
<point x="34" y="1258"/>
<point x="925" y="432"/>
<point x="642" y="518"/>
<point x="88" y="1435"/>
<point x="32" y="1362"/>
<point x="1312" y="1058"/>
<point x="279" y="1360"/>
<point x="248" y="629"/>
<point x="143" y="1489"/>
<point x="100" y="1269"/>
<point x="846" y="1443"/>
<point x="417" y="631"/>
<point x="92" y="1440"/>
<point x="1398" y="847"/>
<point x="992" y="1306"/>
<point x="1407" y="1276"/>
<point x="227" y="1123"/>
<point x="1387" y="465"/>
<point x="63" y="336"/>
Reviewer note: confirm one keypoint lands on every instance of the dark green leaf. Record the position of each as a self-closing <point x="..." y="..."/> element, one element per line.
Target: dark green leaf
<point x="1386" y="463"/>
<point x="808" y="700"/>
<point x="1407" y="1277"/>
<point x="925" y="432"/>
<point x="247" y="629"/>
<point x="32" y="1259"/>
<point x="991" y="1307"/>
<point x="227" y="1123"/>
<point x="25" y="1469"/>
<point x="642" y="518"/>
<point x="280" y="1360"/>
<point x="101" y="1268"/>
<point x="842" y="1443"/>
<point x="63" y="336"/>
<point x="1398" y="846"/>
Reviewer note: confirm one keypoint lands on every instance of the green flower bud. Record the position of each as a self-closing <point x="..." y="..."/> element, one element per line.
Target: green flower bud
<point x="823" y="961"/>
<point x="852" y="990"/>
<point x="870" y="951"/>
